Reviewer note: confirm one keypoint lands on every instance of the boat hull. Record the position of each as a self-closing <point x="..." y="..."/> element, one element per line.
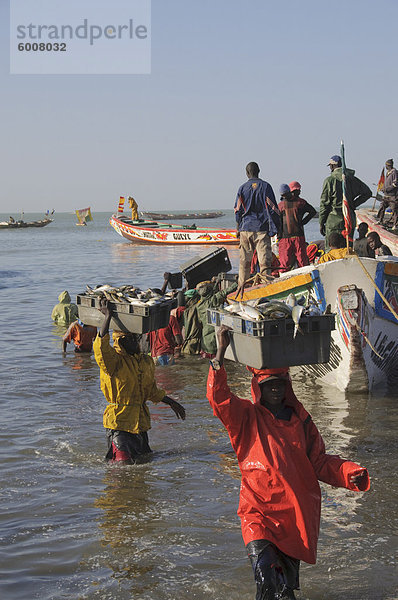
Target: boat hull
<point x="364" y="349"/>
<point x="25" y="224"/>
<point x="162" y="234"/>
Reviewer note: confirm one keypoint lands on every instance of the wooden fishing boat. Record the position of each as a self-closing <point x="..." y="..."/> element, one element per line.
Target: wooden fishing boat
<point x="83" y="216"/>
<point x="180" y="216"/>
<point x="388" y="237"/>
<point x="23" y="224"/>
<point x="152" y="232"/>
<point x="364" y="349"/>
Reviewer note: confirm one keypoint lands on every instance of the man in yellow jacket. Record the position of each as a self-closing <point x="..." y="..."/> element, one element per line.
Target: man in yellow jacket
<point x="127" y="382"/>
<point x="134" y="208"/>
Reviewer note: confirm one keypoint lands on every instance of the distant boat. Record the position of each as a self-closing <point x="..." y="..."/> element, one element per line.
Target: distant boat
<point x="152" y="232"/>
<point x="180" y="216"/>
<point x="12" y="224"/>
<point x="84" y="216"/>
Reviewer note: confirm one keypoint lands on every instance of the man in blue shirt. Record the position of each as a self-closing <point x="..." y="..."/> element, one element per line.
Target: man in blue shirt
<point x="258" y="219"/>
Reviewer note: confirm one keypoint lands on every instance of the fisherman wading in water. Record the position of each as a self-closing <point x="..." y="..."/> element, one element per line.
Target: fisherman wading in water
<point x="281" y="456"/>
<point x="127" y="382"/>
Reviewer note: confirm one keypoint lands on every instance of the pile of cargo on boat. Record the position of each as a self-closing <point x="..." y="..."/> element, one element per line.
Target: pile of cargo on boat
<point x="271" y="333"/>
<point x="133" y="309"/>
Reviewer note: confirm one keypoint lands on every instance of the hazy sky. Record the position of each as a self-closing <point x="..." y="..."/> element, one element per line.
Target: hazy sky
<point x="277" y="82"/>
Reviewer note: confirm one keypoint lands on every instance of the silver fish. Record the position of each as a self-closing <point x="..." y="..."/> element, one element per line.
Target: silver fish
<point x="250" y="312"/>
<point x="291" y="300"/>
<point x="232" y="307"/>
<point x="102" y="288"/>
<point x="296" y="315"/>
<point x="275" y="309"/>
<point x="137" y="302"/>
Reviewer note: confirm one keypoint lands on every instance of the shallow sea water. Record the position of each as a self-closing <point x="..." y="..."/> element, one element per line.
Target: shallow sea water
<point x="73" y="527"/>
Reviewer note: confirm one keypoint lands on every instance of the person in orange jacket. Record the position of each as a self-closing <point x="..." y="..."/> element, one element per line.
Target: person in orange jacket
<point x="81" y="335"/>
<point x="281" y="456"/>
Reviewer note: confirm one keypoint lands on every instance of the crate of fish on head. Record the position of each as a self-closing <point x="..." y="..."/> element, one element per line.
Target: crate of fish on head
<point x="272" y="333"/>
<point x="133" y="309"/>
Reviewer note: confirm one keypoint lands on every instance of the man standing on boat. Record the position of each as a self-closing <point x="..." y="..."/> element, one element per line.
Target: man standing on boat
<point x="390" y="190"/>
<point x="134" y="208"/>
<point x="257" y="218"/>
<point x="295" y="213"/>
<point x="331" y="210"/>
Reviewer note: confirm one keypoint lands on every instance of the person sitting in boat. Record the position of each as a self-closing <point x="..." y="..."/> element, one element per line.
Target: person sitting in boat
<point x="390" y="199"/>
<point x="375" y="244"/>
<point x="281" y="456"/>
<point x="134" y="208"/>
<point x="81" y="335"/>
<point x="361" y="246"/>
<point x="337" y="250"/>
<point x="11" y="220"/>
<point x="295" y="213"/>
<point x="127" y="382"/>
<point x="65" y="312"/>
<point x="200" y="337"/>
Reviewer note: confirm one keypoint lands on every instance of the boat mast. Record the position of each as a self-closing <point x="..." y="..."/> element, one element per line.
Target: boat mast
<point x="348" y="232"/>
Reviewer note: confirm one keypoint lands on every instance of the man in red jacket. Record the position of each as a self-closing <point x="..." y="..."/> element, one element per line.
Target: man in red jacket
<point x="295" y="213"/>
<point x="281" y="456"/>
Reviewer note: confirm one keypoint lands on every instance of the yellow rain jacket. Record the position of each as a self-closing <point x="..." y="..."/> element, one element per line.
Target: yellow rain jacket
<point x="65" y="312"/>
<point x="333" y="254"/>
<point x="127" y="382"/>
<point x="134" y="209"/>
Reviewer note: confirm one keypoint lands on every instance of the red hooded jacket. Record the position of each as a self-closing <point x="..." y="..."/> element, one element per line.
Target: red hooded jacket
<point x="281" y="462"/>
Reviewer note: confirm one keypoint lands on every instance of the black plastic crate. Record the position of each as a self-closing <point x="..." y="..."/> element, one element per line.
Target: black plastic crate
<point x="175" y="281"/>
<point x="269" y="343"/>
<point x="227" y="279"/>
<point x="126" y="316"/>
<point x="206" y="266"/>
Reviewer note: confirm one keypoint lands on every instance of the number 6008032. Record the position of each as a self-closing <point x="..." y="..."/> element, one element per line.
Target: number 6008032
<point x="42" y="47"/>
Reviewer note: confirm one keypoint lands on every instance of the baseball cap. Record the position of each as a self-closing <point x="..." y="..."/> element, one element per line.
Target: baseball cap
<point x="335" y="160"/>
<point x="284" y="189"/>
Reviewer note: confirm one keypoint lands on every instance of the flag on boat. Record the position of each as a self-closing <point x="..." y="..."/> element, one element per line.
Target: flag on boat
<point x="348" y="224"/>
<point x="382" y="179"/>
<point x="121" y="204"/>
<point x="84" y="215"/>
